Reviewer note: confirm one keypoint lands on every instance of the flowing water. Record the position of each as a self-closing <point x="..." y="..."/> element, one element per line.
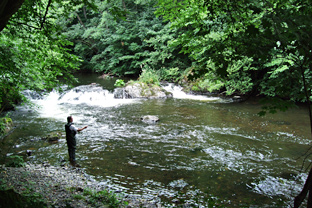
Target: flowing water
<point x="202" y="147"/>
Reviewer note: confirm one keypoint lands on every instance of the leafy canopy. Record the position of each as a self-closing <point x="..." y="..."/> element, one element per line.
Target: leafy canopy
<point x="34" y="54"/>
<point x="126" y="43"/>
<point x="260" y="46"/>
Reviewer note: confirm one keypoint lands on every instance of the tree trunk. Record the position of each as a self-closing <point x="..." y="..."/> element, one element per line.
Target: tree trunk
<point x="7" y="9"/>
<point x="306" y="188"/>
<point x="308" y="184"/>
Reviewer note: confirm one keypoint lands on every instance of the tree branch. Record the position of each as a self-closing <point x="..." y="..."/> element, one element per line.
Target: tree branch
<point x="45" y="15"/>
<point x="80" y="21"/>
<point x="21" y="23"/>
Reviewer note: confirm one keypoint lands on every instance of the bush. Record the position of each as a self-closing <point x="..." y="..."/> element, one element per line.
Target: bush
<point x="119" y="83"/>
<point x="208" y="83"/>
<point x="172" y="74"/>
<point x="150" y="77"/>
<point x="107" y="198"/>
<point x="15" y="161"/>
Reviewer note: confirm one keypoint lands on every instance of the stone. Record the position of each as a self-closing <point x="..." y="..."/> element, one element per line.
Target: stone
<point x="150" y="119"/>
<point x="28" y="152"/>
<point x="53" y="137"/>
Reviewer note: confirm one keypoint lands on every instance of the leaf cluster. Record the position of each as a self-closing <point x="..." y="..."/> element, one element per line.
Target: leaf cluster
<point x="119" y="83"/>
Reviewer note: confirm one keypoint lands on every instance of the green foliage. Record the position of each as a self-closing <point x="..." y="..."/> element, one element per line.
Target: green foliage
<point x="119" y="83"/>
<point x="78" y="196"/>
<point x="5" y="123"/>
<point x="104" y="196"/>
<point x="33" y="52"/>
<point x="241" y="47"/>
<point x="123" y="45"/>
<point x="28" y="198"/>
<point x="238" y="76"/>
<point x="34" y="63"/>
<point x="9" y="198"/>
<point x="15" y="161"/>
<point x="170" y="74"/>
<point x="261" y="46"/>
<point x="149" y="77"/>
<point x="208" y="83"/>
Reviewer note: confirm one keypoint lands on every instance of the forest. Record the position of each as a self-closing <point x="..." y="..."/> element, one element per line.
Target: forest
<point x="247" y="48"/>
<point x="244" y="47"/>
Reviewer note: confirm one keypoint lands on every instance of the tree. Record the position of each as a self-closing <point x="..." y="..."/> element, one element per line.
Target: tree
<point x="33" y="52"/>
<point x="122" y="38"/>
<point x="241" y="41"/>
<point x="7" y="9"/>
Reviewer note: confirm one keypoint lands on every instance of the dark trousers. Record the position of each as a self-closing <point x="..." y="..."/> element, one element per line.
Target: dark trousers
<point x="71" y="144"/>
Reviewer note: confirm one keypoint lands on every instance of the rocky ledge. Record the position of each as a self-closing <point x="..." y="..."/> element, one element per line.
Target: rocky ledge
<point x="64" y="187"/>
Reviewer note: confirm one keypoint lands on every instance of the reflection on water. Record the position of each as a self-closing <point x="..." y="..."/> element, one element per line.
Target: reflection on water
<point x="200" y="147"/>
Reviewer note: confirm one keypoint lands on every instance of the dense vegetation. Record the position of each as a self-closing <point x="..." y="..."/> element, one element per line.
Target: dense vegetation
<point x="124" y="38"/>
<point x="236" y="47"/>
<point x="241" y="47"/>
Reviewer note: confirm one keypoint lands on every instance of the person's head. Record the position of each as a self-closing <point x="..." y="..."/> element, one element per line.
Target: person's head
<point x="69" y="119"/>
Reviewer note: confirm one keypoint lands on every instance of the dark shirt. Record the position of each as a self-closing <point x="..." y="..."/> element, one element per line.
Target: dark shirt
<point x="71" y="132"/>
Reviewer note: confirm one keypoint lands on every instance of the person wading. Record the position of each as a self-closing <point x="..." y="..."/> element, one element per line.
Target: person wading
<point x="71" y="132"/>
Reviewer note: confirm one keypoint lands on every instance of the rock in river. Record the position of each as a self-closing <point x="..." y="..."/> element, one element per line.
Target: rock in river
<point x="53" y="137"/>
<point x="149" y="119"/>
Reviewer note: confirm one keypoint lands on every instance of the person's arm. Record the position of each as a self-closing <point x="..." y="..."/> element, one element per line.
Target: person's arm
<point x="82" y="128"/>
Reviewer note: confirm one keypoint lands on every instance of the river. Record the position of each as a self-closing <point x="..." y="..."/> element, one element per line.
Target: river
<point x="202" y="147"/>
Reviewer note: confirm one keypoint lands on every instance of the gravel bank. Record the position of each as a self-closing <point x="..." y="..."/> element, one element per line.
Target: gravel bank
<point x="63" y="186"/>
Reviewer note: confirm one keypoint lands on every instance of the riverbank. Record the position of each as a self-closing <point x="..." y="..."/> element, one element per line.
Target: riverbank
<point x="44" y="185"/>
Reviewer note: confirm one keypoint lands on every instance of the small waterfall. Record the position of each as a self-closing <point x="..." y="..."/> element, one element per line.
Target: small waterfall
<point x="177" y="92"/>
<point x="57" y="105"/>
<point x="92" y="95"/>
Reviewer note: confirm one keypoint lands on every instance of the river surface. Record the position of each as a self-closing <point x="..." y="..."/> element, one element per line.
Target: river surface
<point x="202" y="148"/>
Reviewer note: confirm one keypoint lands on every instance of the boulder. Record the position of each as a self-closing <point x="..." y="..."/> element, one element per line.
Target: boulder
<point x="150" y="119"/>
<point x="53" y="137"/>
<point x="141" y="90"/>
<point x="28" y="152"/>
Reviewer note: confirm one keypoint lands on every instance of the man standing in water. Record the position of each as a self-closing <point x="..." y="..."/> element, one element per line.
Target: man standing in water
<point x="71" y="132"/>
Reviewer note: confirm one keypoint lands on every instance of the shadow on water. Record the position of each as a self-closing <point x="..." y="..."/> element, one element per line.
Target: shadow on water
<point x="199" y="148"/>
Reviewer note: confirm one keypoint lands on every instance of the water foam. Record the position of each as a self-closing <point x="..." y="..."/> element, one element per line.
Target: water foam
<point x="56" y="105"/>
<point x="177" y="92"/>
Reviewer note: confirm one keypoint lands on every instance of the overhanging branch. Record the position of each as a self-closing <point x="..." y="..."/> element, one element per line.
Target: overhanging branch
<point x="45" y="15"/>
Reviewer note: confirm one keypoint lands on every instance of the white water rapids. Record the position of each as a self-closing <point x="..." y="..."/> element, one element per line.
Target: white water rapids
<point x="50" y="105"/>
